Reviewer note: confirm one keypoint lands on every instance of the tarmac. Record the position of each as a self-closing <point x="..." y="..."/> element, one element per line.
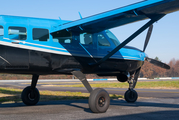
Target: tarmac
<point x="143" y="109"/>
<point x="152" y="104"/>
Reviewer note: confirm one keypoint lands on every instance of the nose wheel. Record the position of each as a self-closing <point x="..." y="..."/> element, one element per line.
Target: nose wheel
<point x="130" y="96"/>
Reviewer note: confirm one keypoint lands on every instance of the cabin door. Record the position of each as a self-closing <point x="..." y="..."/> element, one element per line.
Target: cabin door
<point x="16" y="56"/>
<point x="88" y="44"/>
<point x="104" y="46"/>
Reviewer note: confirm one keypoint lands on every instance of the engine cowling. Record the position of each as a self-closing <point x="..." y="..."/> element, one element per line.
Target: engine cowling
<point x="122" y="77"/>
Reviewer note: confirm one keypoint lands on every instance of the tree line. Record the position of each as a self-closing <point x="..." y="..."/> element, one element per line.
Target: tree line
<point x="149" y="70"/>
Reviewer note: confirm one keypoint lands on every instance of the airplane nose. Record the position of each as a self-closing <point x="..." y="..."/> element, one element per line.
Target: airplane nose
<point x="143" y="56"/>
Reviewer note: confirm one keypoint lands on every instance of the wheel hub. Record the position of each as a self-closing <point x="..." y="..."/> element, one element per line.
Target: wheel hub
<point x="101" y="101"/>
<point x="30" y="97"/>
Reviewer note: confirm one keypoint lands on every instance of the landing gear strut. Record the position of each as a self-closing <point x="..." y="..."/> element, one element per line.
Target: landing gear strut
<point x="99" y="99"/>
<point x="30" y="95"/>
<point x="131" y="95"/>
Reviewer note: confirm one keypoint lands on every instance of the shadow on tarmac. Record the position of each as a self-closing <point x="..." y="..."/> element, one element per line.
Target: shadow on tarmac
<point x="85" y="101"/>
<point x="160" y="114"/>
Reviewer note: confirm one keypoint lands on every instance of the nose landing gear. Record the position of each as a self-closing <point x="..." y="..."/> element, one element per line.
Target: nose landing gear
<point x="131" y="95"/>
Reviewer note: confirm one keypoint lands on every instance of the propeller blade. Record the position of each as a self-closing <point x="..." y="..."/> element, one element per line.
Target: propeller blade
<point x="148" y="37"/>
<point x="158" y="63"/>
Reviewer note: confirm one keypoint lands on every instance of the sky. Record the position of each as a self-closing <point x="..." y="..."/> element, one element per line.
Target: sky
<point x="164" y="42"/>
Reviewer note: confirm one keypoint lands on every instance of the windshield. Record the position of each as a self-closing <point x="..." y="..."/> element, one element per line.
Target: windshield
<point x="112" y="37"/>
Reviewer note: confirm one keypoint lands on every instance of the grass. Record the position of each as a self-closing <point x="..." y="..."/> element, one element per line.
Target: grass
<point x="159" y="85"/>
<point x="145" y="84"/>
<point x="14" y="95"/>
<point x="11" y="95"/>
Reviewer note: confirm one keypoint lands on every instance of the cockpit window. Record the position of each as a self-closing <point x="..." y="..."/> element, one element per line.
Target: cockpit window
<point x="86" y="39"/>
<point x="112" y="37"/>
<point x="102" y="41"/>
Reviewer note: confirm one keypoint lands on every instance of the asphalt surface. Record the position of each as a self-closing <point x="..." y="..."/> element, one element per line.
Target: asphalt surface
<point x="143" y="109"/>
<point x="152" y="104"/>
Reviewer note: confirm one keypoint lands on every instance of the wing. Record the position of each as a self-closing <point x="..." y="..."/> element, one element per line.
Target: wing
<point x="121" y="16"/>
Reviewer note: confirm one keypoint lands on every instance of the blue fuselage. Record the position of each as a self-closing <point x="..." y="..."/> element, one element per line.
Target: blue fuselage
<point x="27" y="47"/>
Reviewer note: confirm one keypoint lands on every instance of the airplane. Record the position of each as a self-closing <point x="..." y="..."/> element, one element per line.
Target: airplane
<point x="38" y="46"/>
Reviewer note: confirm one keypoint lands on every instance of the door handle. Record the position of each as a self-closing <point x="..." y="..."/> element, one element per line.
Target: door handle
<point x="15" y="42"/>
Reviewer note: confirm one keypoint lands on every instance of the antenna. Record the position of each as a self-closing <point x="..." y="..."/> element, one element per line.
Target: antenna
<point x="80" y="15"/>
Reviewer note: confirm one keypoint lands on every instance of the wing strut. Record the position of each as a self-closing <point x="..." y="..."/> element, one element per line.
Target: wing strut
<point x="153" y="19"/>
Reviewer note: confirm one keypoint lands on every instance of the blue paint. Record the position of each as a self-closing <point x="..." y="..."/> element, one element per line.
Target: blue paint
<point x="80" y="15"/>
<point x="85" y="49"/>
<point x="175" y="77"/>
<point x="75" y="48"/>
<point x="109" y="14"/>
<point x="81" y="28"/>
<point x="135" y="12"/>
<point x="100" y="79"/>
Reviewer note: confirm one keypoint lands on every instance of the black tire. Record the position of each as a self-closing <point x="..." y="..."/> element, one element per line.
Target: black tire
<point x="130" y="96"/>
<point x="99" y="100"/>
<point x="26" y="97"/>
